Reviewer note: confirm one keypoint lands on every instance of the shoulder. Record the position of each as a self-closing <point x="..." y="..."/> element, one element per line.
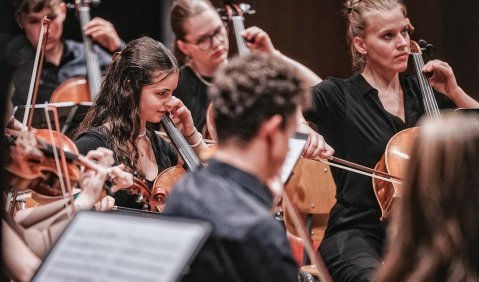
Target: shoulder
<point x="333" y="85"/>
<point x="92" y="139"/>
<point x="18" y="51"/>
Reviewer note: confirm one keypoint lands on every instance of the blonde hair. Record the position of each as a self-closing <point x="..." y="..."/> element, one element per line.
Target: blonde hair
<point x="354" y="13"/>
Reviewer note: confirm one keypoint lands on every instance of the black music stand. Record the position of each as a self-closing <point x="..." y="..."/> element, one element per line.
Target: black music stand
<point x="118" y="247"/>
<point x="70" y="114"/>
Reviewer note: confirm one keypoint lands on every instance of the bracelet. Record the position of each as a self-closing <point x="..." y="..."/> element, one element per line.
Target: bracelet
<point x="197" y="143"/>
<point x="192" y="134"/>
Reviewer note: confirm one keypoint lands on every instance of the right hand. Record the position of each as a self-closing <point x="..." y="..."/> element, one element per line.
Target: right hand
<point x="93" y="178"/>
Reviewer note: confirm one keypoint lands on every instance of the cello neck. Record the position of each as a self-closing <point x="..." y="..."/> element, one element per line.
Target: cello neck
<point x="93" y="68"/>
<point x="184" y="149"/>
<point x="238" y="26"/>
<point x="235" y="15"/>
<point x="430" y="104"/>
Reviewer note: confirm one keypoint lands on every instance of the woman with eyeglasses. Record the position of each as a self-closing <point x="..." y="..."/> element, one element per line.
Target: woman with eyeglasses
<point x="202" y="47"/>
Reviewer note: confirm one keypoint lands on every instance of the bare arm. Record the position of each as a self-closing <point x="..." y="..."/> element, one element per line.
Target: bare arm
<point x="20" y="262"/>
<point x="259" y="41"/>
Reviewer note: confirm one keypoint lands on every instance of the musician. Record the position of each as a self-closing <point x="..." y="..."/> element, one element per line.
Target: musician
<point x="359" y="115"/>
<point x="64" y="59"/>
<point x="137" y="90"/>
<point x="433" y="234"/>
<point x="256" y="99"/>
<point x="25" y="242"/>
<point x="202" y="45"/>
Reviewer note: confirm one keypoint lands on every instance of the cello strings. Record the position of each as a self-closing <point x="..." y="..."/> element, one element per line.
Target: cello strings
<point x="238" y="25"/>
<point x="430" y="103"/>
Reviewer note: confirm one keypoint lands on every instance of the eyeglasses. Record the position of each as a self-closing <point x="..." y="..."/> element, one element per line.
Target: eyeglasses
<point x="206" y="42"/>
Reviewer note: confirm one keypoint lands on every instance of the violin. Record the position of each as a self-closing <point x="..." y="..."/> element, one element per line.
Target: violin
<point x="166" y="180"/>
<point x="399" y="147"/>
<point x="79" y="89"/>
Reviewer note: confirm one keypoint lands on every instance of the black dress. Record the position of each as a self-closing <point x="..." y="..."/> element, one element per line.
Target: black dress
<point x="353" y="121"/>
<point x="165" y="155"/>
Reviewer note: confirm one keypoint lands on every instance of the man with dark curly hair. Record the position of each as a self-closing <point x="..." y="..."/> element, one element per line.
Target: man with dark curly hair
<point x="256" y="98"/>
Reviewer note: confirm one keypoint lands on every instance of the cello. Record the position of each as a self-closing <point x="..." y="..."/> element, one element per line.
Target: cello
<point x="79" y="89"/>
<point x="234" y="13"/>
<point x="165" y="181"/>
<point x="398" y="150"/>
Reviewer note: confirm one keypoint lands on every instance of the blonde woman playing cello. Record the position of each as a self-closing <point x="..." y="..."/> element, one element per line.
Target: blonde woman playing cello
<point x="359" y="115"/>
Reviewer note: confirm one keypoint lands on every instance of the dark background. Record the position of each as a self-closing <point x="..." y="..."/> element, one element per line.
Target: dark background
<point x="310" y="31"/>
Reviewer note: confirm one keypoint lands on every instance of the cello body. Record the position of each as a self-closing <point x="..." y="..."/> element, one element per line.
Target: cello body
<point x="395" y="162"/>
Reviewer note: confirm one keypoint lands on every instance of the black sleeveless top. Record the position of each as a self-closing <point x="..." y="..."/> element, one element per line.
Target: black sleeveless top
<point x="165" y="155"/>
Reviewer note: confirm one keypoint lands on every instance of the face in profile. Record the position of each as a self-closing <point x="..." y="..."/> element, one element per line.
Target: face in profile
<point x="155" y="95"/>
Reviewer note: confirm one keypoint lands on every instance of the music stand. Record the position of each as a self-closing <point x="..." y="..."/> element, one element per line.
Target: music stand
<point x="69" y="114"/>
<point x="117" y="247"/>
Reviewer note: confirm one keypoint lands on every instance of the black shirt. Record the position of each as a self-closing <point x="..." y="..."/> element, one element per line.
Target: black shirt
<point x="165" y="156"/>
<point x="193" y="93"/>
<point x="247" y="243"/>
<point x="353" y="121"/>
<point x="72" y="64"/>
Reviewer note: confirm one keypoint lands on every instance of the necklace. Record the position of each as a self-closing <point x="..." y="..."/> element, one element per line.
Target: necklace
<point x="201" y="78"/>
<point x="142" y="134"/>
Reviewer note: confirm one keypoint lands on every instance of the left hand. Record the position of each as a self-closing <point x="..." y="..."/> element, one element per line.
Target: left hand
<point x="258" y="40"/>
<point x="443" y="79"/>
<point x="103" y="32"/>
<point x="181" y="116"/>
<point x="316" y="146"/>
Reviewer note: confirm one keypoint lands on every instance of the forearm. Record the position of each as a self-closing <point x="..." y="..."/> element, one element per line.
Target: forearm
<point x="20" y="262"/>
<point x="31" y="216"/>
<point x="462" y="100"/>
<point x="310" y="78"/>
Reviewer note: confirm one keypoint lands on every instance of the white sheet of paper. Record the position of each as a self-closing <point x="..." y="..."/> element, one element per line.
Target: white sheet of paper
<point x="296" y="145"/>
<point x="109" y="247"/>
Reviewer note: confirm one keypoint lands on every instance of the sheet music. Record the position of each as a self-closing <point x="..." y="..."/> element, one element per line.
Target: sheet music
<point x="112" y="247"/>
<point x="296" y="145"/>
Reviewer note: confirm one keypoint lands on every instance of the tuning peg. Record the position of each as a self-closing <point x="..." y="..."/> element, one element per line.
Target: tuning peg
<point x="426" y="47"/>
<point x="246" y="9"/>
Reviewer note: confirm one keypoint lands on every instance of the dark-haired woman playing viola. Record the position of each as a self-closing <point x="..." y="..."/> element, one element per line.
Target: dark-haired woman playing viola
<point x="137" y="90"/>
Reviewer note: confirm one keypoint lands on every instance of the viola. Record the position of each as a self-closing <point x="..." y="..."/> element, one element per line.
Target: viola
<point x="81" y="89"/>
<point x="399" y="147"/>
<point x="166" y="180"/>
<point x="32" y="164"/>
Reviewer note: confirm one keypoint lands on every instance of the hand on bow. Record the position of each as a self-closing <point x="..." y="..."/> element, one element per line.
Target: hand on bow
<point x="316" y="145"/>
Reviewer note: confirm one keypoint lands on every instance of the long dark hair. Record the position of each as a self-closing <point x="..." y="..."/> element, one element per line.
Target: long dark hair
<point x="118" y="102"/>
<point x="434" y="231"/>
